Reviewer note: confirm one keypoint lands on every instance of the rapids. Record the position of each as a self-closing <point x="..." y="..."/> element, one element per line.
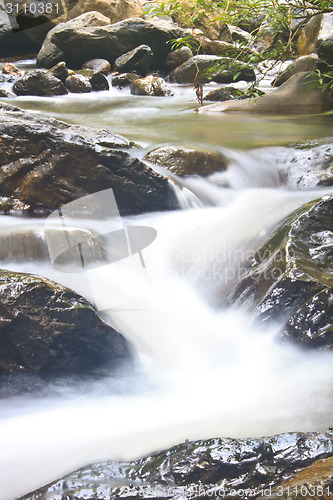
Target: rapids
<point x="201" y="370"/>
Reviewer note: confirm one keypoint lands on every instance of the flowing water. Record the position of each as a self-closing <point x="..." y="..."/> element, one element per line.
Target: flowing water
<point x="200" y="370"/>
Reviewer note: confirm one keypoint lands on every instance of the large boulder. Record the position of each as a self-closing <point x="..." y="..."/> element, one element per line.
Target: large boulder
<point x="187" y="161"/>
<point x="50" y="55"/>
<point x="178" y="57"/>
<point x="299" y="65"/>
<point x="215" y="468"/>
<point x="302" y="93"/>
<point x="40" y="83"/>
<point x="46" y="328"/>
<point x="79" y="43"/>
<point x="46" y="163"/>
<point x="291" y="276"/>
<point x="208" y="68"/>
<point x="325" y="51"/>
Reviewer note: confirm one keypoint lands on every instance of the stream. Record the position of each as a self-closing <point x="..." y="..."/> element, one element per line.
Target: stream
<point x="200" y="370"/>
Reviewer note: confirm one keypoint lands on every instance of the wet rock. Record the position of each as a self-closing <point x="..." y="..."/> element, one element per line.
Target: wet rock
<point x="178" y="57"/>
<point x="211" y="68"/>
<point x="81" y="42"/>
<point x="98" y="65"/>
<point x="7" y="78"/>
<point x="60" y="71"/>
<point x="325" y="51"/>
<point x="6" y="93"/>
<point x="99" y="82"/>
<point x="150" y="85"/>
<point x="50" y="54"/>
<point x="315" y="481"/>
<point x="10" y="69"/>
<point x="309" y="165"/>
<point x="46" y="163"/>
<point x="215" y="468"/>
<point x="47" y="328"/>
<point x="39" y="83"/>
<point x="291" y="275"/>
<point x="221" y="94"/>
<point x="124" y="80"/>
<point x="78" y="84"/>
<point x="137" y="60"/>
<point x="218" y="48"/>
<point x="301" y="64"/>
<point x="187" y="161"/>
<point x="312" y="324"/>
<point x="302" y="93"/>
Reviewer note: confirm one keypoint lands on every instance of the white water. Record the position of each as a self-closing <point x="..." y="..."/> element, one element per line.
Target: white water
<point x="202" y="372"/>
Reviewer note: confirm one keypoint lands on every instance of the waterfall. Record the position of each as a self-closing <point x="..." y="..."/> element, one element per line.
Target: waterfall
<point x="201" y="371"/>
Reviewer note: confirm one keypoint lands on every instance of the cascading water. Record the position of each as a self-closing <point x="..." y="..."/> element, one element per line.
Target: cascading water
<point x="201" y="371"/>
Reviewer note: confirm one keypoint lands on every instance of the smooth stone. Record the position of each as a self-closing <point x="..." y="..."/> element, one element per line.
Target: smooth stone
<point x="178" y="57"/>
<point x="301" y="64"/>
<point x="78" y="84"/>
<point x="124" y="80"/>
<point x="296" y="95"/>
<point x="99" y="82"/>
<point x="60" y="71"/>
<point x="138" y="60"/>
<point x="98" y="65"/>
<point x="150" y="86"/>
<point x="39" y="83"/>
<point x="187" y="161"/>
<point x="11" y="69"/>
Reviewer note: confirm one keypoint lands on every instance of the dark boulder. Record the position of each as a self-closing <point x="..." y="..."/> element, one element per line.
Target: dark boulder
<point x="325" y="51"/>
<point x="79" y="43"/>
<point x="178" y="57"/>
<point x="50" y="54"/>
<point x="60" y="71"/>
<point x="98" y="65"/>
<point x="39" y="83"/>
<point x="137" y="60"/>
<point x="124" y="80"/>
<point x="6" y="93"/>
<point x="215" y="468"/>
<point x="291" y="276"/>
<point x="46" y="163"/>
<point x="221" y="94"/>
<point x="187" y="161"/>
<point x="98" y="81"/>
<point x="47" y="328"/>
<point x="78" y="84"/>
<point x="150" y="85"/>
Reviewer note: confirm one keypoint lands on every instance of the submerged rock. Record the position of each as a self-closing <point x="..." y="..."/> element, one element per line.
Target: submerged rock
<point x="39" y="83"/>
<point x="291" y="276"/>
<point x="215" y="468"/>
<point x="187" y="161"/>
<point x="46" y="163"/>
<point x="302" y="93"/>
<point x="46" y="328"/>
<point x="150" y="85"/>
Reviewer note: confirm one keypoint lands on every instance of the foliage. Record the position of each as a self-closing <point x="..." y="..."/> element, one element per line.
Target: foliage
<point x="282" y="20"/>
